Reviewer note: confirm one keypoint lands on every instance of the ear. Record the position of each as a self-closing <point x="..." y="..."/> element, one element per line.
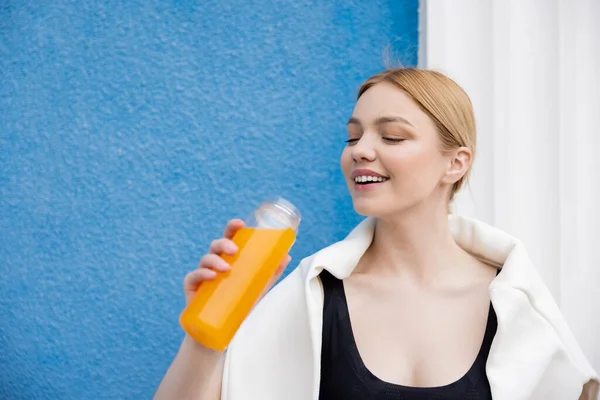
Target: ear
<point x="459" y="162"/>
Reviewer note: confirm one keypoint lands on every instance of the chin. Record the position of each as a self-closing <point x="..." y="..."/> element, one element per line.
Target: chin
<point x="371" y="207"/>
<point x="383" y="207"/>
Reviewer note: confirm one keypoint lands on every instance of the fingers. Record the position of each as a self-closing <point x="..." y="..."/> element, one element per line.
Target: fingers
<point x="222" y="246"/>
<point x="213" y="262"/>
<point x="194" y="278"/>
<point x="232" y="227"/>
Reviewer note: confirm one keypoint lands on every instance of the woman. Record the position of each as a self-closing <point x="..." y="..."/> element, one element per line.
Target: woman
<point x="412" y="304"/>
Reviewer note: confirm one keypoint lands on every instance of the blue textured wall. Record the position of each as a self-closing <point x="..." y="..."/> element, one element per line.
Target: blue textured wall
<point x="130" y="132"/>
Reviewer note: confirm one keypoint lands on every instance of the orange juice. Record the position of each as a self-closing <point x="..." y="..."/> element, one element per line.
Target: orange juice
<point x="221" y="305"/>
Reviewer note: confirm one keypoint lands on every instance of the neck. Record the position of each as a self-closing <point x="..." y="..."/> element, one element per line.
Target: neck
<point x="417" y="244"/>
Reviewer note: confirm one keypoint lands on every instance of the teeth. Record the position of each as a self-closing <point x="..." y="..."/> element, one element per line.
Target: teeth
<point x="364" y="178"/>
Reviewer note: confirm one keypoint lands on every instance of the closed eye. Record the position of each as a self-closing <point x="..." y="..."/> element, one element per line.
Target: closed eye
<point x="392" y="140"/>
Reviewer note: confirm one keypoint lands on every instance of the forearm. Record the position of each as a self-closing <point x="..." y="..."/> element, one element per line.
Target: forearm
<point x="196" y="373"/>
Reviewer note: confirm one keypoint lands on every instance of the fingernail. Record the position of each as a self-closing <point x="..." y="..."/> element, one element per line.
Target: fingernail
<point x="232" y="248"/>
<point x="225" y="266"/>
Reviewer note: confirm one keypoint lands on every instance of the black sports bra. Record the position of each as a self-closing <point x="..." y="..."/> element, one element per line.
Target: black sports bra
<point x="345" y="377"/>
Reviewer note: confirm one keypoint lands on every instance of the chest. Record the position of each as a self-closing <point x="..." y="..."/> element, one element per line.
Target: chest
<point x="416" y="337"/>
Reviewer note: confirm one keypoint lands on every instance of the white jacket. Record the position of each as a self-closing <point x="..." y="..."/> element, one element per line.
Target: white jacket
<point x="276" y="354"/>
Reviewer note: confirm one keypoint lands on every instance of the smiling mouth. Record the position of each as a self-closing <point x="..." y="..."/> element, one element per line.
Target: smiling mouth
<point x="369" y="180"/>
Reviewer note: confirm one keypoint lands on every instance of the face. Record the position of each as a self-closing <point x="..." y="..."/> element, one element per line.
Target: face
<point x="394" y="152"/>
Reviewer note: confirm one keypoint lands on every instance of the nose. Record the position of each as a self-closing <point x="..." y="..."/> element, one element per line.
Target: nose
<point x="363" y="150"/>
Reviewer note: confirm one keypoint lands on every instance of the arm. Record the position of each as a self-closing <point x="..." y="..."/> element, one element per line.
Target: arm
<point x="590" y="390"/>
<point x="196" y="373"/>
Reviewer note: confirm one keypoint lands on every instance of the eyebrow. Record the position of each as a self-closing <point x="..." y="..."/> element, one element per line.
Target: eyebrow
<point x="381" y="121"/>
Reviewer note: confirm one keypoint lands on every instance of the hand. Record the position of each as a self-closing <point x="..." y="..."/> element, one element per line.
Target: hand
<point x="212" y="263"/>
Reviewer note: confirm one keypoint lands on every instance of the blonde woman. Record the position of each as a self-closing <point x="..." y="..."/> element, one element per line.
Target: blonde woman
<point x="414" y="303"/>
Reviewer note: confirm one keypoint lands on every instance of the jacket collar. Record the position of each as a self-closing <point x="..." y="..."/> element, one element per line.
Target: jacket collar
<point x="483" y="241"/>
<point x="533" y="356"/>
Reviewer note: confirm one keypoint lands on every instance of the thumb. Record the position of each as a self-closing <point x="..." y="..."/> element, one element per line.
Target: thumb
<point x="277" y="274"/>
<point x="282" y="267"/>
<point x="284" y="263"/>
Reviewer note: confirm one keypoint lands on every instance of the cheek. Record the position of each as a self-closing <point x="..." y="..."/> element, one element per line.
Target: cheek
<point x="415" y="167"/>
<point x="346" y="162"/>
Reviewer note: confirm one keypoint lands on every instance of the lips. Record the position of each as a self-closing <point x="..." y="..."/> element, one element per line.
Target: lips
<point x="366" y="172"/>
<point x="367" y="177"/>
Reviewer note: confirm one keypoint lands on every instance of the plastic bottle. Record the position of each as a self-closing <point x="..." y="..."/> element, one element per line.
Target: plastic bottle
<point x="221" y="305"/>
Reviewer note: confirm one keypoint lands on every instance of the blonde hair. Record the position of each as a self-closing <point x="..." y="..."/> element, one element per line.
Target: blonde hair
<point x="443" y="100"/>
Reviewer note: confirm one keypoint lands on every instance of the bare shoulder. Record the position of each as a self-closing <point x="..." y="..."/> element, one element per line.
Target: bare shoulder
<point x="480" y="270"/>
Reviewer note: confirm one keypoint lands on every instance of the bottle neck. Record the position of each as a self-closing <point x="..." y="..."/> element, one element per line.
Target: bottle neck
<point x="277" y="214"/>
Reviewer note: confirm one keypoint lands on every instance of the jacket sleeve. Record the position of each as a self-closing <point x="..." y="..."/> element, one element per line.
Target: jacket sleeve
<point x="269" y="358"/>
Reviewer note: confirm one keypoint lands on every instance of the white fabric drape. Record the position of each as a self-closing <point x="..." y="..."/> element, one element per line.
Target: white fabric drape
<point x="531" y="68"/>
